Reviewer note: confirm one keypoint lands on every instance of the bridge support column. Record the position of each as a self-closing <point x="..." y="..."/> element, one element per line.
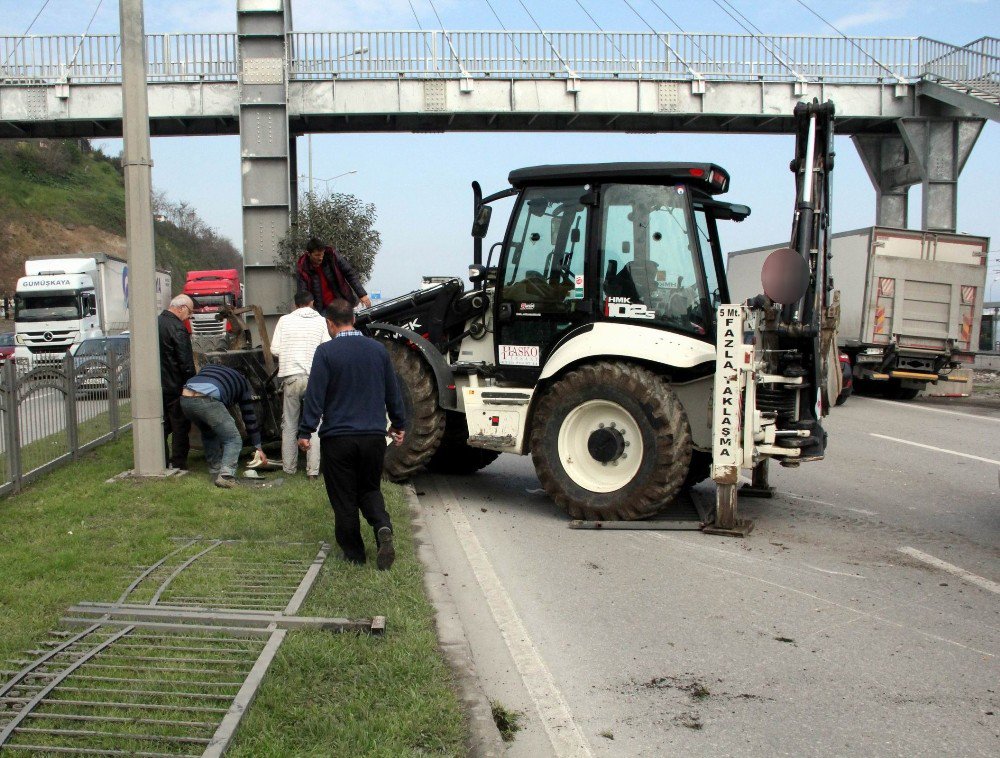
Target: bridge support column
<point x="941" y="147"/>
<point x="885" y="159"/>
<point x="267" y="176"/>
<point x="928" y="151"/>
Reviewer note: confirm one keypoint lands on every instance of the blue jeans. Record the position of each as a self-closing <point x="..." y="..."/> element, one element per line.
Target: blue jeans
<point x="220" y="437"/>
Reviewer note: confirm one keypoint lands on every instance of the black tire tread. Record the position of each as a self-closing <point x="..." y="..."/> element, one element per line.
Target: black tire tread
<point x="426" y="427"/>
<point x="699" y="470"/>
<point x="673" y="453"/>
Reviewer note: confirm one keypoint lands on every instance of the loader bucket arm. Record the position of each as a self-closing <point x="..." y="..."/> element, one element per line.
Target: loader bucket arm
<point x="794" y="331"/>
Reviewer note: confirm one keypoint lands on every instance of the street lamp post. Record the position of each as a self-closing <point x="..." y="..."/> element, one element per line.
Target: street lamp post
<point x="325" y="181"/>
<point x="147" y="404"/>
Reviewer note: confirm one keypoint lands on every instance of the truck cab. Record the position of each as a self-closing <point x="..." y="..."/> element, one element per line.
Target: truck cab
<point x="52" y="313"/>
<point x="211" y="291"/>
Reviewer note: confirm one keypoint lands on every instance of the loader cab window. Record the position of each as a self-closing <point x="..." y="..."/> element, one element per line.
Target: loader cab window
<point x="650" y="258"/>
<point x="547" y="250"/>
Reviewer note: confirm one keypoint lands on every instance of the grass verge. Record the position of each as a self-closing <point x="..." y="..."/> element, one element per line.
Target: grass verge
<point x="72" y="537"/>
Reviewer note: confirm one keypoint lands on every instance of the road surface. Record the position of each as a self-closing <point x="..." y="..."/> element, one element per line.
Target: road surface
<point x="860" y="617"/>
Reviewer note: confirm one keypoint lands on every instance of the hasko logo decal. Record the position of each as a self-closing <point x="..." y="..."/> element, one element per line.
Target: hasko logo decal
<point x="519" y="355"/>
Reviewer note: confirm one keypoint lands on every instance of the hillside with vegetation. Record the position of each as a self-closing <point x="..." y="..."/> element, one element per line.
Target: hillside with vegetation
<point x="66" y="197"/>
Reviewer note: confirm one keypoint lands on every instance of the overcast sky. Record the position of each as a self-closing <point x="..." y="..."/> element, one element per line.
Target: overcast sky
<point x="420" y="182"/>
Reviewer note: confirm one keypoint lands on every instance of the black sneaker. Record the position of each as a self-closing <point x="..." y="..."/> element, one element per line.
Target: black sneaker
<point x="386" y="552"/>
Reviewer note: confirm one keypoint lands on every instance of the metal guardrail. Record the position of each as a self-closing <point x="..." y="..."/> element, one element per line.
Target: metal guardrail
<point x="96" y="59"/>
<point x="511" y="54"/>
<point x="976" y="65"/>
<point x="635" y="55"/>
<point x="51" y="415"/>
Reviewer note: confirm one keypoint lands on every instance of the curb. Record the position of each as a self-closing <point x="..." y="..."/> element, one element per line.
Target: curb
<point x="484" y="738"/>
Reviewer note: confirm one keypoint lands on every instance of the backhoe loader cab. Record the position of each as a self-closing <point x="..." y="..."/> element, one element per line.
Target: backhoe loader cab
<point x="619" y="245"/>
<point x="590" y="344"/>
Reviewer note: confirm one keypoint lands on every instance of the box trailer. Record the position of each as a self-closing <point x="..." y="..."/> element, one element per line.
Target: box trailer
<point x="64" y="299"/>
<point x="910" y="302"/>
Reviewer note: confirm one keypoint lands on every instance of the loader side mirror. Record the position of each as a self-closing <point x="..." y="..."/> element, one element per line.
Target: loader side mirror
<point x="481" y="223"/>
<point x="785" y="276"/>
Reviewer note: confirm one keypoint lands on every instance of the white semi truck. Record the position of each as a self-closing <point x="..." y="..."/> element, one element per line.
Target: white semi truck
<point x="909" y="302"/>
<point x="64" y="299"/>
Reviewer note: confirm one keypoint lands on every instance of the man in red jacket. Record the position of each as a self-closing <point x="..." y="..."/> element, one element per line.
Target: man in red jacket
<point x="329" y="276"/>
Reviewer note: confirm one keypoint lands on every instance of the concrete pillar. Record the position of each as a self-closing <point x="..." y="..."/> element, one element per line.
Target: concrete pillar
<point x="267" y="178"/>
<point x="147" y="400"/>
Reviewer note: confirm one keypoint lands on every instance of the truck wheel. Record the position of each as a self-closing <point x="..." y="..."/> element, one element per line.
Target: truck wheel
<point x="454" y="456"/>
<point x="611" y="441"/>
<point x="425" y="420"/>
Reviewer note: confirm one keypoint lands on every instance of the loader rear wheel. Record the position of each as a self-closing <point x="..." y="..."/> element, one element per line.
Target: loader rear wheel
<point x="454" y="456"/>
<point x="611" y="441"/>
<point x="424" y="418"/>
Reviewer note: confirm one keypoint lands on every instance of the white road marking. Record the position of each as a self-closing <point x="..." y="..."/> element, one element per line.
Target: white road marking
<point x="828" y="504"/>
<point x="553" y="711"/>
<point x="936" y="449"/>
<point x="910" y="406"/>
<point x="951" y="568"/>
<point x="813" y="596"/>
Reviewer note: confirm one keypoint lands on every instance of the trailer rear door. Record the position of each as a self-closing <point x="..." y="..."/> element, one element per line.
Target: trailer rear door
<point x="925" y="289"/>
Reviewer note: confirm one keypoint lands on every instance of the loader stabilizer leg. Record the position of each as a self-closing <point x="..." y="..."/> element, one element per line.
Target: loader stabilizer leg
<point x="759" y="485"/>
<point x="727" y="523"/>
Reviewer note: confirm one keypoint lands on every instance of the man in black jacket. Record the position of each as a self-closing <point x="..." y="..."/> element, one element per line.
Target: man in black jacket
<point x="329" y="276"/>
<point x="176" y="367"/>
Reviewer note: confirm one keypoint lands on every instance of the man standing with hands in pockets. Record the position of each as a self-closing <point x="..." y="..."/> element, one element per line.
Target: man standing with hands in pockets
<point x="352" y="385"/>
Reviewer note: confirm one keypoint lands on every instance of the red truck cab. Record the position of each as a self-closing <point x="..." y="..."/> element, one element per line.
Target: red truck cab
<point x="210" y="291"/>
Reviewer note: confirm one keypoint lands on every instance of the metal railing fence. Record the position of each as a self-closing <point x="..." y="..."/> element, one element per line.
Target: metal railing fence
<point x="52" y="414"/>
<point x="512" y="54"/>
<point x="976" y="65"/>
<point x="524" y="54"/>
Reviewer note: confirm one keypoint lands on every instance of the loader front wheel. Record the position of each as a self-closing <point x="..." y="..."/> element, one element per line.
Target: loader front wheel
<point x="424" y="418"/>
<point x="611" y="441"/>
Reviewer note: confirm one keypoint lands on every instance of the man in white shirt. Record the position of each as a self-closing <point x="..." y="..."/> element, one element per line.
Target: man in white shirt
<point x="295" y="340"/>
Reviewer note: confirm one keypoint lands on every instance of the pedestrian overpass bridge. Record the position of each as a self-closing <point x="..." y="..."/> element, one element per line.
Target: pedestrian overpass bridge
<point x="913" y="106"/>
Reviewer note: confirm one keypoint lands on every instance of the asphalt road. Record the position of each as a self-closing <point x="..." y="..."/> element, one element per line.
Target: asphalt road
<point x="843" y="625"/>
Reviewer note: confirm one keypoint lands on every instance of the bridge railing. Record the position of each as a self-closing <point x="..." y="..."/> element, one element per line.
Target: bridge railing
<point x="510" y="54"/>
<point x="96" y="59"/>
<point x="637" y="55"/>
<point x="976" y="64"/>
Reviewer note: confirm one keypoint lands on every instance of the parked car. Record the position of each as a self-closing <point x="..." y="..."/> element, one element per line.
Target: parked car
<point x="848" y="379"/>
<point x="6" y="346"/>
<point x="91" y="361"/>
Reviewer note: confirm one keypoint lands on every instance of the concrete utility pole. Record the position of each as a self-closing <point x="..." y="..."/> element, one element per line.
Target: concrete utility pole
<point x="147" y="400"/>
